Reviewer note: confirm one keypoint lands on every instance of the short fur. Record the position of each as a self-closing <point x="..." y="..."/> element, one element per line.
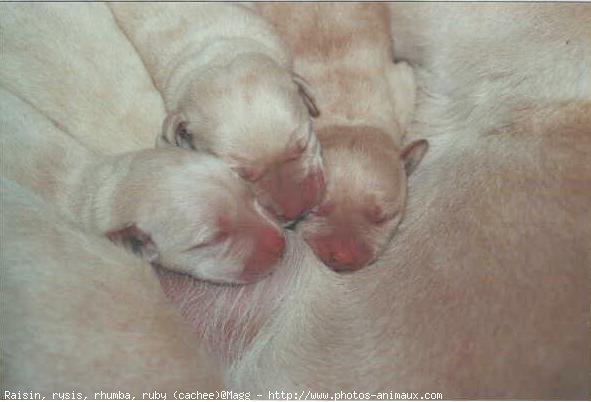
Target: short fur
<point x="70" y="62"/>
<point x="228" y="88"/>
<point x="188" y="210"/>
<point x="79" y="315"/>
<point x="345" y="52"/>
<point x="485" y="292"/>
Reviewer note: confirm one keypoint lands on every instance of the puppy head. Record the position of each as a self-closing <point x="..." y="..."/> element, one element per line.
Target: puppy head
<point x="255" y="115"/>
<point x="188" y="212"/>
<point x="365" y="196"/>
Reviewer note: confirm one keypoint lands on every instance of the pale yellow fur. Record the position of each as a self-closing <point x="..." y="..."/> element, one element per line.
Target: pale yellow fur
<point x="70" y="62"/>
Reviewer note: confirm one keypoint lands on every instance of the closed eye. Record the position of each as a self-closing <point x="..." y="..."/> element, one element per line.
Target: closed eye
<point x="300" y="147"/>
<point x="322" y="210"/>
<point x="296" y="152"/>
<point x="249" y="173"/>
<point x="212" y="241"/>
<point x="377" y="217"/>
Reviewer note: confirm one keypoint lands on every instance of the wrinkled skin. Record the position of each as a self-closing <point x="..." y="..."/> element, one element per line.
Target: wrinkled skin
<point x="178" y="209"/>
<point x="268" y="138"/>
<point x="365" y="198"/>
<point x="229" y="89"/>
<point x="484" y="290"/>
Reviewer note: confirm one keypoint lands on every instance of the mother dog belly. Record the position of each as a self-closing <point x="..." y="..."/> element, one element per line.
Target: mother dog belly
<point x="71" y="62"/>
<point x="482" y="293"/>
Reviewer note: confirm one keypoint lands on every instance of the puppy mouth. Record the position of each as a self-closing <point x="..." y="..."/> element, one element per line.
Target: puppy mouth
<point x="239" y="281"/>
<point x="291" y="225"/>
<point x="247" y="278"/>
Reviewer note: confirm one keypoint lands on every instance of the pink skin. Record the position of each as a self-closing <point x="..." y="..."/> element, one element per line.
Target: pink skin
<point x="348" y="236"/>
<point x="270" y="245"/>
<point x="359" y="213"/>
<point x="341" y="252"/>
<point x="287" y="199"/>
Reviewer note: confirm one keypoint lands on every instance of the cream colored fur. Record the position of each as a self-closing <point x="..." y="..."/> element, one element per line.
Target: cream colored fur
<point x="79" y="315"/>
<point x="345" y="52"/>
<point x="517" y="54"/>
<point x="71" y="63"/>
<point x="228" y="88"/>
<point x="484" y="293"/>
<point x="182" y="200"/>
<point x="347" y="59"/>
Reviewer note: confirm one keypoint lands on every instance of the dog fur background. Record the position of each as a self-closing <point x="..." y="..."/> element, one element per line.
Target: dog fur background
<point x="484" y="292"/>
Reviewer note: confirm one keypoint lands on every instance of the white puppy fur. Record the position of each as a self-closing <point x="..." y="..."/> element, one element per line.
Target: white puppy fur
<point x="484" y="293"/>
<point x="183" y="210"/>
<point x="228" y="88"/>
<point x="71" y="62"/>
<point x="80" y="315"/>
<point x="517" y="55"/>
<point x="367" y="101"/>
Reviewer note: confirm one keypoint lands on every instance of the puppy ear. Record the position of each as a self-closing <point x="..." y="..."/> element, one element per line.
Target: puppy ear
<point x="175" y="132"/>
<point x="136" y="241"/>
<point x="412" y="154"/>
<point x="306" y="94"/>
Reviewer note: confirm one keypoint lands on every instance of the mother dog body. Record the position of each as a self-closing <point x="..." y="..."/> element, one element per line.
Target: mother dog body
<point x="79" y="315"/>
<point x="73" y="64"/>
<point x="484" y="292"/>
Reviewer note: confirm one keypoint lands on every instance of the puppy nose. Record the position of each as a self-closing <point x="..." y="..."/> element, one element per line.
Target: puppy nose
<point x="292" y="210"/>
<point x="272" y="242"/>
<point x="341" y="257"/>
<point x="268" y="249"/>
<point x="342" y="254"/>
<point x="303" y="197"/>
<point x="287" y="212"/>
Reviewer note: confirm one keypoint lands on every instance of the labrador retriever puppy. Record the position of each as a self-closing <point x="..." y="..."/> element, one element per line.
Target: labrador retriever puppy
<point x="229" y="90"/>
<point x="484" y="293"/>
<point x="81" y="316"/>
<point x="345" y="52"/>
<point x="182" y="210"/>
<point x="72" y="63"/>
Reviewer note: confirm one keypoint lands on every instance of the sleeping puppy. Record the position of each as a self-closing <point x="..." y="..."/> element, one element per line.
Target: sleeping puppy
<point x="345" y="52"/>
<point x="365" y="195"/>
<point x="78" y="313"/>
<point x="182" y="210"/>
<point x="229" y="90"/>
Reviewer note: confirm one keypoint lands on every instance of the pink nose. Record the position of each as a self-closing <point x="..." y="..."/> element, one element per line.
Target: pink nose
<point x="267" y="251"/>
<point x="341" y="254"/>
<point x="303" y="197"/>
<point x="291" y="210"/>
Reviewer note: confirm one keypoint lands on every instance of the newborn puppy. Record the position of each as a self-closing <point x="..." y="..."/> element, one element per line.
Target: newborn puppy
<point x="345" y="52"/>
<point x="73" y="304"/>
<point x="182" y="210"/>
<point x="228" y="88"/>
<point x="365" y="195"/>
